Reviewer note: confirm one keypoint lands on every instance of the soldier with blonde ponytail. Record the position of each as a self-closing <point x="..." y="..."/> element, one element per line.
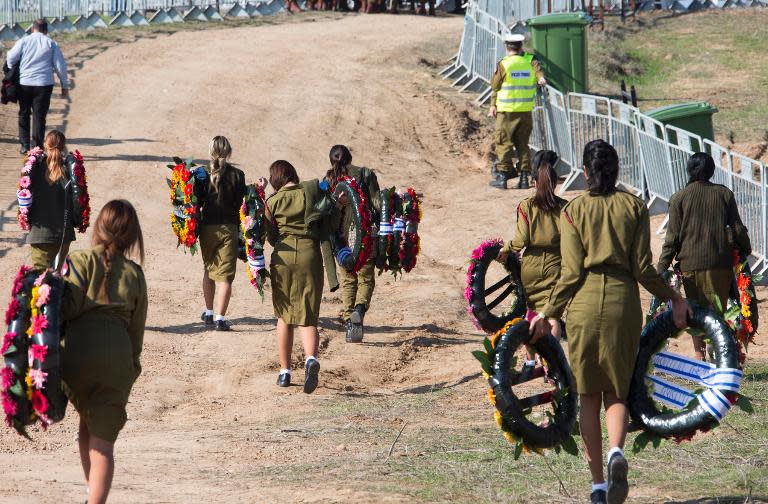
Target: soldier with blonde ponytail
<point x="220" y="207"/>
<point x="48" y="180"/>
<point x="104" y="310"/>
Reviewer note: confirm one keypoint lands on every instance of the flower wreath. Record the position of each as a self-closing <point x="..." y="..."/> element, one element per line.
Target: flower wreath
<point x="741" y="313"/>
<point x="398" y="227"/>
<point x="31" y="376"/>
<point x="353" y="260"/>
<point x="498" y="362"/>
<point x="475" y="291"/>
<point x="186" y="211"/>
<point x="251" y="224"/>
<point x="80" y="197"/>
<point x="410" y="245"/>
<point x="691" y="411"/>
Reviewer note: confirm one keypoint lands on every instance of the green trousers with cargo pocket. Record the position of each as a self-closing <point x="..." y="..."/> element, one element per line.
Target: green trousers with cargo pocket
<point x="513" y="129"/>
<point x="357" y="288"/>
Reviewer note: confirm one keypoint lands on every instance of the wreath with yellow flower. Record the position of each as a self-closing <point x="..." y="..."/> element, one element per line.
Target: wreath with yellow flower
<point x="498" y="362"/>
<point x="31" y="376"/>
<point x="251" y="224"/>
<point x="185" y="213"/>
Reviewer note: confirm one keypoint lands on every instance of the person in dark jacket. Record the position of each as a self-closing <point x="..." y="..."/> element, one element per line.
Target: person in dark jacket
<point x="356" y="288"/>
<point x="704" y="226"/>
<point x="49" y="233"/>
<point x="220" y="221"/>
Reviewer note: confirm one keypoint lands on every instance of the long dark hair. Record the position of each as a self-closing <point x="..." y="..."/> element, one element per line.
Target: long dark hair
<point x="543" y="172"/>
<point x="602" y="164"/>
<point x="282" y="172"/>
<point x="118" y="231"/>
<point x="700" y="167"/>
<point x="340" y="159"/>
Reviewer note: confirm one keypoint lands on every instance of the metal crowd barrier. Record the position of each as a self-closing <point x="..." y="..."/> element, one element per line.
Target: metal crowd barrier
<point x="652" y="156"/>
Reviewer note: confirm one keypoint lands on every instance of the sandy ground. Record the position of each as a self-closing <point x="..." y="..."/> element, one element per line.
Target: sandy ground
<point x="206" y="422"/>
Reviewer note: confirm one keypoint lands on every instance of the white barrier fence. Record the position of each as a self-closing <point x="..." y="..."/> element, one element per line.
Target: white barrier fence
<point x="16" y="16"/>
<point x="652" y="156"/>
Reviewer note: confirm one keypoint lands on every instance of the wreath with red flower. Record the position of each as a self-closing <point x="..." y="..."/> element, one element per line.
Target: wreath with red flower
<point x="31" y="376"/>
<point x="355" y="257"/>
<point x="80" y="197"/>
<point x="385" y="237"/>
<point x="251" y="225"/>
<point x="398" y="227"/>
<point x="741" y="312"/>
<point x="410" y="245"/>
<point x="185" y="214"/>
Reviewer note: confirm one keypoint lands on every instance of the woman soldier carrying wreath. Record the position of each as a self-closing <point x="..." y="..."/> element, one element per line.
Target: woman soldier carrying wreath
<point x="299" y="217"/>
<point x="356" y="288"/>
<point x="538" y="232"/>
<point x="48" y="181"/>
<point x="605" y="239"/>
<point x="221" y="198"/>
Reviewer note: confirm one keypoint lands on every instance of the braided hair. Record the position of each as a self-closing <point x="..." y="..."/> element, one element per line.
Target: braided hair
<point x="602" y="164"/>
<point x="220" y="150"/>
<point x="118" y="231"/>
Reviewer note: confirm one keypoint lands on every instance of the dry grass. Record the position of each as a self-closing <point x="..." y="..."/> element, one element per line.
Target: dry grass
<point x="716" y="56"/>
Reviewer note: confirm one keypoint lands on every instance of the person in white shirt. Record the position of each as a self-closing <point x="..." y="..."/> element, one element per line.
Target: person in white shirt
<point x="38" y="57"/>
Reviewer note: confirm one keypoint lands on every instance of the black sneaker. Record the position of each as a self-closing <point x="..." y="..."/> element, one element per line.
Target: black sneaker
<point x="311" y="371"/>
<point x="23" y="150"/>
<point x="618" y="487"/>
<point x="222" y="325"/>
<point x="355" y="325"/>
<point x="284" y="380"/>
<point x="597" y="497"/>
<point x="208" y="319"/>
<point x="526" y="373"/>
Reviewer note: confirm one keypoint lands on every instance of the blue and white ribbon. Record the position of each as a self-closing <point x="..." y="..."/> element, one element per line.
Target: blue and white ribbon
<point x="24" y="201"/>
<point x="257" y="263"/>
<point x="399" y="225"/>
<point x="385" y="229"/>
<point x="717" y="380"/>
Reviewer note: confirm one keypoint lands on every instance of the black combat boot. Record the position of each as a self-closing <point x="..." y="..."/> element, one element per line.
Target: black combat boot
<point x="522" y="182"/>
<point x="499" y="180"/>
<point x="355" y="325"/>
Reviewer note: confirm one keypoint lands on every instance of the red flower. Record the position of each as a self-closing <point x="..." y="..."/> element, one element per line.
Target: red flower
<point x="743" y="282"/>
<point x="12" y="311"/>
<point x="7" y="341"/>
<point x="188" y="189"/>
<point x="38" y="352"/>
<point x="83" y="200"/>
<point x="39" y="402"/>
<point x="8" y="378"/>
<point x="747" y="325"/>
<point x="9" y="406"/>
<point x="38" y="324"/>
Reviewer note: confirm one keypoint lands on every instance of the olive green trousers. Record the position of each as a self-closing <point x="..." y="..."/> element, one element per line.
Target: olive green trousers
<point x="357" y="288"/>
<point x="703" y="285"/>
<point x="513" y="129"/>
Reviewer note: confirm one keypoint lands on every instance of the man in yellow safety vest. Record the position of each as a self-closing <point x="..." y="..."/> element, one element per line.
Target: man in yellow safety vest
<point x="513" y="97"/>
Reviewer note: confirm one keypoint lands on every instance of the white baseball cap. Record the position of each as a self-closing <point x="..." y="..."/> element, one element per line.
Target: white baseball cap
<point x="514" y="38"/>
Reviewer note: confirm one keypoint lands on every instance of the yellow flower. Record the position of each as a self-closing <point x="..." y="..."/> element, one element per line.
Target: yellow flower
<point x="492" y="397"/>
<point x="526" y="450"/>
<point x="746" y="311"/>
<point x="510" y="439"/>
<point x="486" y="375"/>
<point x="497" y="417"/>
<point x="28" y="381"/>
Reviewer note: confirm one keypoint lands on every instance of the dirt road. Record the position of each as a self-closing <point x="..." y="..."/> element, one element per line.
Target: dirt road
<point x="206" y="422"/>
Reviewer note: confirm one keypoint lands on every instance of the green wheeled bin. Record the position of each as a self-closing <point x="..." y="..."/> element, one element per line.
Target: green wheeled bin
<point x="560" y="45"/>
<point x="694" y="117"/>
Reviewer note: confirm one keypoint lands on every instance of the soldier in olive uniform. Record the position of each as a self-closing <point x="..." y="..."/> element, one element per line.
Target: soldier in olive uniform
<point x="605" y="244"/>
<point x="538" y="232"/>
<point x="356" y="288"/>
<point x="704" y="213"/>
<point x="104" y="310"/>
<point x="298" y="223"/>
<point x="513" y="98"/>
<point x="48" y="232"/>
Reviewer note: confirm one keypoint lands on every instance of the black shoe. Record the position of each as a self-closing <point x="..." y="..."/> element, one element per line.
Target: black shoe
<point x="597" y="497"/>
<point x="24" y="149"/>
<point x="208" y="319"/>
<point x="284" y="380"/>
<point x="311" y="370"/>
<point x="356" y="321"/>
<point x="522" y="182"/>
<point x="499" y="181"/>
<point x="526" y="372"/>
<point x="222" y="325"/>
<point x="618" y="487"/>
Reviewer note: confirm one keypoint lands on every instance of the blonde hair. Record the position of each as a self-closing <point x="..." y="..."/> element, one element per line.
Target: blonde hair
<point x="220" y="150"/>
<point x="55" y="145"/>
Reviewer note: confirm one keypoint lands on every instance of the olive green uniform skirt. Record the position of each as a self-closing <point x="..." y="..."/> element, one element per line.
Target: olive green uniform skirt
<point x="218" y="246"/>
<point x="43" y="254"/>
<point x="98" y="372"/>
<point x="297" y="280"/>
<point x="604" y="321"/>
<point x="539" y="272"/>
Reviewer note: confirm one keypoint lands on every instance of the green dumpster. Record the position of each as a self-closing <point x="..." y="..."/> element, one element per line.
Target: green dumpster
<point x="695" y="117"/>
<point x="560" y="45"/>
